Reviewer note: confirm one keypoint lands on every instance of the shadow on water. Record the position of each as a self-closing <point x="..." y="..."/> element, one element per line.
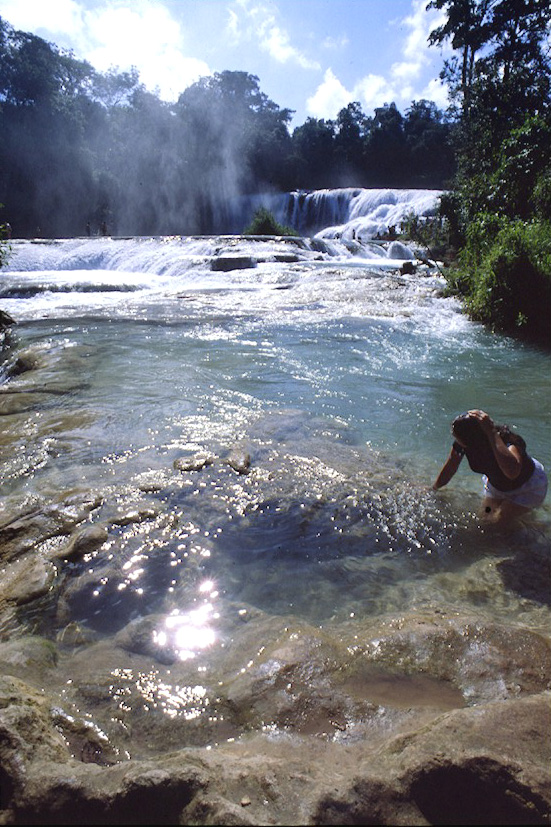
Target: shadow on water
<point x="527" y="572"/>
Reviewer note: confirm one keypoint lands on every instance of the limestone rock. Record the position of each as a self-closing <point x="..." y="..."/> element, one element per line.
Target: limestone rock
<point x="26" y="579"/>
<point x="83" y="541"/>
<point x="32" y="526"/>
<point x="194" y="463"/>
<point x="233" y="261"/>
<point x="240" y="461"/>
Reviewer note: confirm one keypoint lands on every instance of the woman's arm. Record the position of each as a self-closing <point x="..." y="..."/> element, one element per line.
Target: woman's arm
<point x="508" y="457"/>
<point x="448" y="470"/>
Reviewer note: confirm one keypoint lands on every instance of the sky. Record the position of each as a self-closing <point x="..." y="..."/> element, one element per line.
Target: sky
<point x="311" y="56"/>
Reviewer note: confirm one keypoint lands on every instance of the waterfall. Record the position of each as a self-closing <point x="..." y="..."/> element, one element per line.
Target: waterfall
<point x="332" y="213"/>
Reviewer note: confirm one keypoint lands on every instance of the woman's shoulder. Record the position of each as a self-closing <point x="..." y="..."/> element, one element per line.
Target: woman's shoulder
<point x="509" y="437"/>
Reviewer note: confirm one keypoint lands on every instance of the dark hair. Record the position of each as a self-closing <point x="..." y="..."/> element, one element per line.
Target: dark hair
<point x="467" y="428"/>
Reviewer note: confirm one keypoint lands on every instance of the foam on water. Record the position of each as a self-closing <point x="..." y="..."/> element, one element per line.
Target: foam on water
<point x="344" y="212"/>
<point x="288" y="278"/>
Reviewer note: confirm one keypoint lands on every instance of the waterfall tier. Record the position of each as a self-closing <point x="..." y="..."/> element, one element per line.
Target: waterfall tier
<point x="332" y="213"/>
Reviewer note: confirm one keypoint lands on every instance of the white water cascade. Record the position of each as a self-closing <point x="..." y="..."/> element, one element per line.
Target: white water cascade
<point x="349" y="212"/>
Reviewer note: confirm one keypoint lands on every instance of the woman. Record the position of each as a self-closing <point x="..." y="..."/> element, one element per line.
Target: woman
<point x="514" y="482"/>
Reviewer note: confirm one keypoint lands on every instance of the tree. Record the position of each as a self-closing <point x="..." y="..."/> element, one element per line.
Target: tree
<point x="429" y="149"/>
<point x="265" y="223"/>
<point x="467" y="27"/>
<point x="385" y="150"/>
<point x="314" y="149"/>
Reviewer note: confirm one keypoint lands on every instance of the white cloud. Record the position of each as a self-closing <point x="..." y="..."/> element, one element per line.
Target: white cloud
<point x="258" y="22"/>
<point x="420" y="22"/>
<point x="142" y="34"/>
<point x="372" y="91"/>
<point x="275" y="41"/>
<point x="331" y="95"/>
<point x="405" y="71"/>
<point x="121" y="34"/>
<point x="55" y="16"/>
<point x="403" y="83"/>
<point x="335" y="43"/>
<point x="417" y="52"/>
<point x="329" y="98"/>
<point x="232" y="26"/>
<point x="436" y="91"/>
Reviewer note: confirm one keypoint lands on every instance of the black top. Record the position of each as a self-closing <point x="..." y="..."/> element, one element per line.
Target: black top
<point x="482" y="460"/>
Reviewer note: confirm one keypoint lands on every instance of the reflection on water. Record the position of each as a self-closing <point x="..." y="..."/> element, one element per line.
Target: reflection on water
<point x="188" y="702"/>
<point x="190" y="633"/>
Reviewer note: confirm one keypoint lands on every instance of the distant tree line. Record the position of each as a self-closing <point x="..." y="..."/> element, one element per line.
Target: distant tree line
<point x="81" y="150"/>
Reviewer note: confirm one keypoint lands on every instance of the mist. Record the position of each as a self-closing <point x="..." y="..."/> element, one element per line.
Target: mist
<point x="89" y="153"/>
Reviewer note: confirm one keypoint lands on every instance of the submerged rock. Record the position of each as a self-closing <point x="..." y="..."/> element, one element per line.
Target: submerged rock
<point x="417" y="719"/>
<point x="83" y="542"/>
<point x="27" y="359"/>
<point x="32" y="526"/>
<point x="194" y="463"/>
<point x="5" y="320"/>
<point x="233" y="261"/>
<point x="240" y="461"/>
<point x="487" y="765"/>
<point x="27" y="657"/>
<point x="396" y="249"/>
<point x="141" y="637"/>
<point x="26" y="579"/>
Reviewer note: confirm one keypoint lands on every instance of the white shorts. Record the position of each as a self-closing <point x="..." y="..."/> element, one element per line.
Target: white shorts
<point x="529" y="495"/>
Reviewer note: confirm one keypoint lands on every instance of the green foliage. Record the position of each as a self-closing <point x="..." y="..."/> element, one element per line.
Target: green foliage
<point x="431" y="233"/>
<point x="499" y="211"/>
<point x="5" y="246"/>
<point x="264" y="223"/>
<point x="504" y="274"/>
<point x="541" y="195"/>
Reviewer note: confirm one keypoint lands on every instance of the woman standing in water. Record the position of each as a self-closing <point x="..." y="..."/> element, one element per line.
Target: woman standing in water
<point x="514" y="482"/>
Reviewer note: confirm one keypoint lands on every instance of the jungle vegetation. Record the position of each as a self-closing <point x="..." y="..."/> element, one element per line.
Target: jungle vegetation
<point x="497" y="212"/>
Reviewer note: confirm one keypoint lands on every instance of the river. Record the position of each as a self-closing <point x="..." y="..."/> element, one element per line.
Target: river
<point x="262" y="441"/>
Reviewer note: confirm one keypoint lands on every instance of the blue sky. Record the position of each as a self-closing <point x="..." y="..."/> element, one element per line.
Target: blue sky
<point x="313" y="56"/>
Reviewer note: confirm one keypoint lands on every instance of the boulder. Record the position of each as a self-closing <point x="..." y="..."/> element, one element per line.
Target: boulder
<point x="233" y="261"/>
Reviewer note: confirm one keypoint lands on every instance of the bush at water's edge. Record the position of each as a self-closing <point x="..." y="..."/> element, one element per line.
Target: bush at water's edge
<point x="504" y="276"/>
<point x="264" y="223"/>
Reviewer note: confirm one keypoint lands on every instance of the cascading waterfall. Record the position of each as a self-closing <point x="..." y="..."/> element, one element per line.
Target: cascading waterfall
<point x="330" y="212"/>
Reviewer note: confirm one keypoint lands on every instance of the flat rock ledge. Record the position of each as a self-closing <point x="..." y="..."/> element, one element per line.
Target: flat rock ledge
<point x="484" y="765"/>
<point x="233" y="261"/>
